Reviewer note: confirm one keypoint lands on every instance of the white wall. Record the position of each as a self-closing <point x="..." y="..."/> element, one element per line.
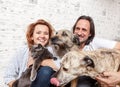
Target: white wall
<point x="15" y="15"/>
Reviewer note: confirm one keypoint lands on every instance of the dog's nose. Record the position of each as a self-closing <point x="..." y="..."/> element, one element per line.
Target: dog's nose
<point x="53" y="39"/>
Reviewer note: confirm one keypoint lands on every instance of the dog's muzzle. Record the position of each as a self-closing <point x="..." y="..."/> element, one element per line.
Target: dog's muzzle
<point x="54" y="39"/>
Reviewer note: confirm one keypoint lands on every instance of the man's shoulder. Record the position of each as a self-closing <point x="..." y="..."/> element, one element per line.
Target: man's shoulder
<point x="102" y="43"/>
<point x="98" y="39"/>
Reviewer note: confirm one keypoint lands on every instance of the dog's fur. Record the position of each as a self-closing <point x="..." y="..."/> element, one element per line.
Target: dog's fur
<point x="39" y="53"/>
<point x="90" y="63"/>
<point x="24" y="80"/>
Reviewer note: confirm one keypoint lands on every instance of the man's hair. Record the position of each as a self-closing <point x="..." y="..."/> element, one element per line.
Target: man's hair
<point x="92" y="27"/>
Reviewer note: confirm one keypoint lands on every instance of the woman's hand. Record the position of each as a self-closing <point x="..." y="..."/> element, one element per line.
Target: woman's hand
<point x="10" y="83"/>
<point x="111" y="79"/>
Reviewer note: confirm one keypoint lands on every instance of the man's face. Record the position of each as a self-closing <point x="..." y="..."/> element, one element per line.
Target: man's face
<point x="82" y="29"/>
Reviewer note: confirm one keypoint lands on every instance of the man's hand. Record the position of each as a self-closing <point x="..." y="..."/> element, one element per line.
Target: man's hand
<point x="111" y="79"/>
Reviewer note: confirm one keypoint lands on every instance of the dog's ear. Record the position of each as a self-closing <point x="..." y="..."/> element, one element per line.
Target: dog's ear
<point x="33" y="47"/>
<point x="39" y="45"/>
<point x="88" y="61"/>
<point x="76" y="39"/>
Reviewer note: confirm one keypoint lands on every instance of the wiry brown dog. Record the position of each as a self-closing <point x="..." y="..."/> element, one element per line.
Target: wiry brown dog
<point x="64" y="41"/>
<point x="90" y="63"/>
<point x="39" y="53"/>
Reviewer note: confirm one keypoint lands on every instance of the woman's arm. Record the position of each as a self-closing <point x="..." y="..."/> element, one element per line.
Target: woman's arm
<point x="46" y="62"/>
<point x="11" y="71"/>
<point x="15" y="66"/>
<point x="50" y="62"/>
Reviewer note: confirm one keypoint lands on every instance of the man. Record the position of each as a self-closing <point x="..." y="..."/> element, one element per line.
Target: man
<point x="85" y="29"/>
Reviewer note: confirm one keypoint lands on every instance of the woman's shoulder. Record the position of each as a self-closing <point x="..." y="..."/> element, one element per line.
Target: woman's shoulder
<point x="17" y="56"/>
<point x="21" y="50"/>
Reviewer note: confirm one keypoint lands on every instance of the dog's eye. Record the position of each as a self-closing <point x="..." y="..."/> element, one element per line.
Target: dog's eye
<point x="64" y="34"/>
<point x="65" y="69"/>
<point x="56" y="32"/>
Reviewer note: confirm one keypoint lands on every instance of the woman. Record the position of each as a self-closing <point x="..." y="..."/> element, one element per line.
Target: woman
<point x="37" y="33"/>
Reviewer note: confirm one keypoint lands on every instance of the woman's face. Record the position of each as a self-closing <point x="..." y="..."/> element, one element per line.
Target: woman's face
<point x="40" y="34"/>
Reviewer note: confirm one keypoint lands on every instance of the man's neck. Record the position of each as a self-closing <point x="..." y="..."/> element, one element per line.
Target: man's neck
<point x="82" y="46"/>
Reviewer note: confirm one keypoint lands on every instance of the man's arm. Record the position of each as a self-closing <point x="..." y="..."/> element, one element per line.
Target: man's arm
<point x="110" y="78"/>
<point x="117" y="45"/>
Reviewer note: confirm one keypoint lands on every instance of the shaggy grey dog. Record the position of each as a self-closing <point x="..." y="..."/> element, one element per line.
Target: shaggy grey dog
<point x="39" y="53"/>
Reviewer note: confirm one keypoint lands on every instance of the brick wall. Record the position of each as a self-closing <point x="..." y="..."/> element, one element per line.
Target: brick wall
<point x="15" y="15"/>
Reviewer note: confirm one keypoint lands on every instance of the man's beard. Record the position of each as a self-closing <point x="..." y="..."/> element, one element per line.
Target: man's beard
<point x="83" y="41"/>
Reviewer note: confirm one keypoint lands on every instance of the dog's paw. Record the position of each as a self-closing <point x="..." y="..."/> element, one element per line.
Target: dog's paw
<point x="33" y="77"/>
